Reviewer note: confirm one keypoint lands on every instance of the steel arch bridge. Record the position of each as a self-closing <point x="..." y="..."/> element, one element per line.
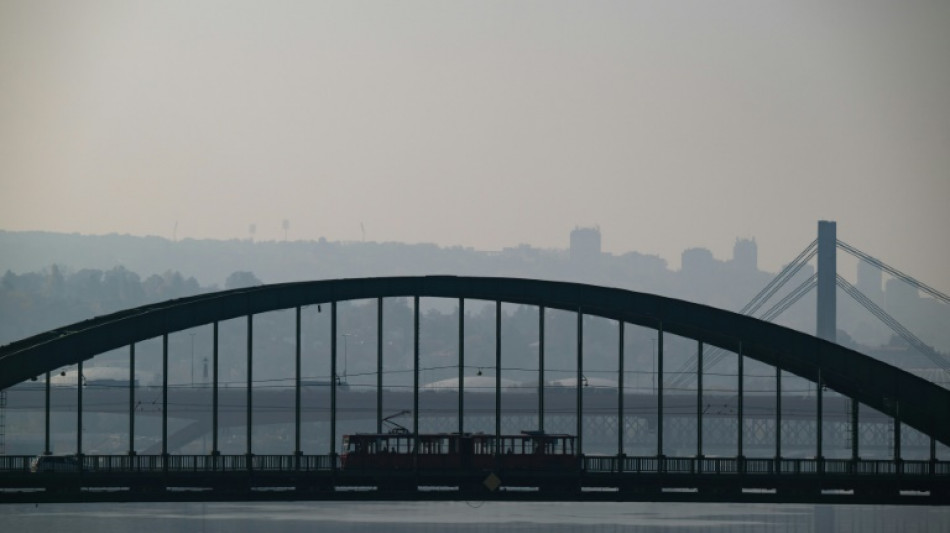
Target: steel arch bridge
<point x="908" y="399"/>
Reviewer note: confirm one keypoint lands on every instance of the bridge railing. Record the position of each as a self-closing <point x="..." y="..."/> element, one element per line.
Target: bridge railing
<point x="761" y="466"/>
<point x="178" y="463"/>
<point x="590" y="464"/>
<point x="15" y="463"/>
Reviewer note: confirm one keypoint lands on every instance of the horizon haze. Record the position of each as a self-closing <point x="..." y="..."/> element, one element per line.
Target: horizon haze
<point x="484" y="124"/>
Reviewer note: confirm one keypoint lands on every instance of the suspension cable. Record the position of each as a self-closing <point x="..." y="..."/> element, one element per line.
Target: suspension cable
<point x="717" y="354"/>
<point x="892" y="323"/>
<point x="782" y="276"/>
<point x="790" y="299"/>
<point x="767" y="292"/>
<point x="894" y="272"/>
<point x="788" y="277"/>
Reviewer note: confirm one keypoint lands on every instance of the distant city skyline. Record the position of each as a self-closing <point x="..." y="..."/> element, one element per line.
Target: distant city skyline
<point x="848" y="266"/>
<point x="671" y="125"/>
<point x="108" y="268"/>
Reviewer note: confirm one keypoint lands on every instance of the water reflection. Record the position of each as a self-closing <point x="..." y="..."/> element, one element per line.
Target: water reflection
<point x="472" y="517"/>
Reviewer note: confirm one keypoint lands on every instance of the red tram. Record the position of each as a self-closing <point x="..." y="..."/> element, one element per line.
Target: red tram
<point x="460" y="451"/>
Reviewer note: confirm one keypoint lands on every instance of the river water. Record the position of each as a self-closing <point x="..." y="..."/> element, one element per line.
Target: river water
<point x="461" y="517"/>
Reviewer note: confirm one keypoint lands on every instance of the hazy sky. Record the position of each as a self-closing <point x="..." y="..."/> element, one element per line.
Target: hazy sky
<point x="671" y="124"/>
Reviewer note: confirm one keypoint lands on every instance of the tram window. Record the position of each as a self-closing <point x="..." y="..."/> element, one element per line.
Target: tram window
<point x="432" y="446"/>
<point x="528" y="446"/>
<point x="484" y="446"/>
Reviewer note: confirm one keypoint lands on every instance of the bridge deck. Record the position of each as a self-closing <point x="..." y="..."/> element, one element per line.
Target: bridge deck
<point x="214" y="478"/>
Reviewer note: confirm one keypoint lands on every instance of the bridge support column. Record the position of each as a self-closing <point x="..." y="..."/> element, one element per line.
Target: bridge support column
<point x="214" y="390"/>
<point x="541" y="368"/>
<point x="132" y="399"/>
<point x="739" y="401"/>
<point x="699" y="399"/>
<point x="165" y="400"/>
<point x="461" y="372"/>
<point x="250" y="386"/>
<point x="379" y="365"/>
<point x="580" y="378"/>
<point x="827" y="327"/>
<point x="854" y="430"/>
<point x="79" y="383"/>
<point x="333" y="384"/>
<point x="933" y="455"/>
<point x="827" y="281"/>
<point x="297" y="451"/>
<point x="498" y="376"/>
<point x="659" y="390"/>
<point x="620" y="389"/>
<point x="415" y="381"/>
<point x="897" y="431"/>
<point x="819" y="416"/>
<point x="46" y="449"/>
<point x="778" y="418"/>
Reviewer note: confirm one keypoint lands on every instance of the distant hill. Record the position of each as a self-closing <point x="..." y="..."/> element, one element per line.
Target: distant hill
<point x="167" y="267"/>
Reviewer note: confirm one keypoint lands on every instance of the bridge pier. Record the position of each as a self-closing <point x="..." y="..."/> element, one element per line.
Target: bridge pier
<point x="826" y="312"/>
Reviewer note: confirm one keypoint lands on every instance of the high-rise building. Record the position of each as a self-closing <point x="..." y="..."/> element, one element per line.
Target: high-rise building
<point x="870" y="281"/>
<point x="585" y="243"/>
<point x="697" y="261"/>
<point x="745" y="254"/>
<point x="900" y="299"/>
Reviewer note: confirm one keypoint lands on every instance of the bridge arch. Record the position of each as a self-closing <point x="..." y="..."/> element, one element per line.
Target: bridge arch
<point x="919" y="403"/>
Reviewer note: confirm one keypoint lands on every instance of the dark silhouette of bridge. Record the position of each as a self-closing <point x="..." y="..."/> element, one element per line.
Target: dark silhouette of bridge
<point x="898" y="395"/>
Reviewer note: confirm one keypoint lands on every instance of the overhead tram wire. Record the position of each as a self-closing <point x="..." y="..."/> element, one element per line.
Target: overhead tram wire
<point x="894" y="272"/>
<point x="895" y="326"/>
<point x="685" y="375"/>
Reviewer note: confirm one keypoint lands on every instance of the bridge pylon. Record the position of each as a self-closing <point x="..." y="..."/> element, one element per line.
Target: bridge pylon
<point x="827" y="314"/>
